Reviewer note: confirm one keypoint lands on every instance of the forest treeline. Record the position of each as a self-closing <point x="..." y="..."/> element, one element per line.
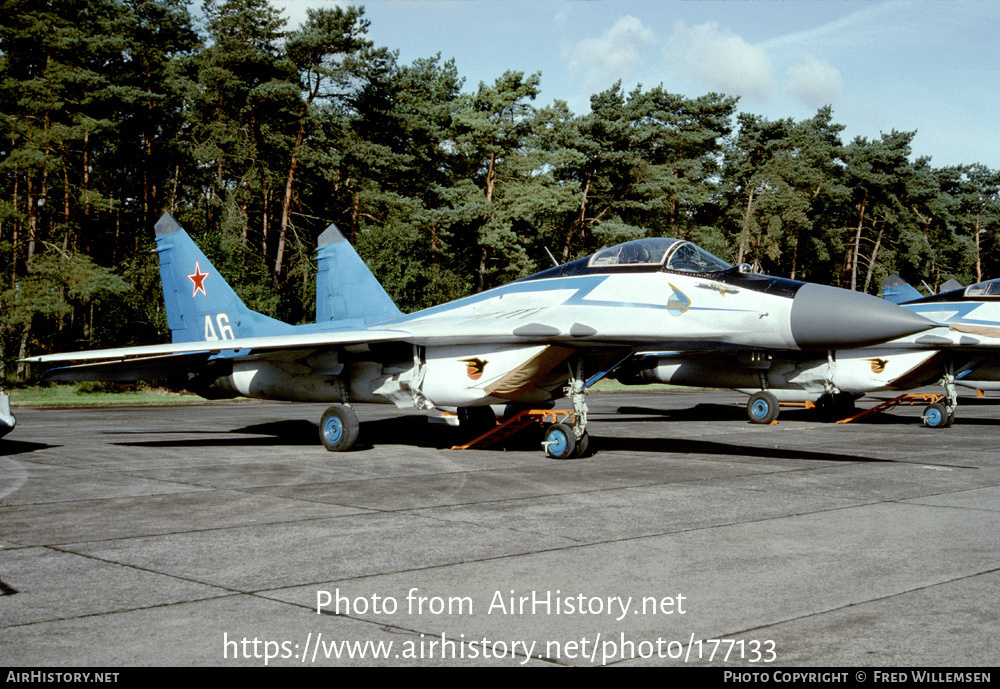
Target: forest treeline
<point x="256" y="136"/>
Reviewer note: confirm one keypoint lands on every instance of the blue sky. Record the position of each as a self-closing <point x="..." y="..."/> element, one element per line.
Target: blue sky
<point x="927" y="65"/>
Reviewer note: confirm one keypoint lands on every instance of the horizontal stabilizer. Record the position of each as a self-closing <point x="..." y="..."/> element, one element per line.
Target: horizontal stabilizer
<point x="149" y="369"/>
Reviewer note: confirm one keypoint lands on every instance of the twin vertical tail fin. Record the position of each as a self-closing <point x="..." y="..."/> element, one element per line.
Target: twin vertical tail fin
<point x="348" y="296"/>
<point x="200" y="304"/>
<point x="898" y="291"/>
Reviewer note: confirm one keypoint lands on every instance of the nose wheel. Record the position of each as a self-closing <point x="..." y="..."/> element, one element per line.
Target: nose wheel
<point x="941" y="414"/>
<point x="561" y="442"/>
<point x="564" y="440"/>
<point x="936" y="415"/>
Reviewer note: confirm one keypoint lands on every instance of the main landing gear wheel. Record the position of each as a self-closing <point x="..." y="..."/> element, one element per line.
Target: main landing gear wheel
<point x="338" y="429"/>
<point x="762" y="407"/>
<point x="560" y="441"/>
<point x="936" y="416"/>
<point x="837" y="406"/>
<point x="474" y="421"/>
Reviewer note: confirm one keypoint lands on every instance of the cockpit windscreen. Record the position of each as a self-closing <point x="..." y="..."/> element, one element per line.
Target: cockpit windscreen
<point x="648" y="251"/>
<point x="691" y="258"/>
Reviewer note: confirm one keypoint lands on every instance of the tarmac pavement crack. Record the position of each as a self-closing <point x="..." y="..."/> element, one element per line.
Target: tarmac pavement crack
<point x="847" y="606"/>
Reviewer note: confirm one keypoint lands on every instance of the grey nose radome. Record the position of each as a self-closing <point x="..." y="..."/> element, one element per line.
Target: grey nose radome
<point x="832" y="318"/>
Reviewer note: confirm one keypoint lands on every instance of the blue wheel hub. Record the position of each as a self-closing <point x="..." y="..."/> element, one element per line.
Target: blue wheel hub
<point x="760" y="409"/>
<point x="558" y="443"/>
<point x="333" y="429"/>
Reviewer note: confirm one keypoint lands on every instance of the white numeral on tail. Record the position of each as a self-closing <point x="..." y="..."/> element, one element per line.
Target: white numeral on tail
<point x="222" y="320"/>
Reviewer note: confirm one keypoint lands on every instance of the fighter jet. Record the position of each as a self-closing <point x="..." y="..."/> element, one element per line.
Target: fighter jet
<point x="527" y="342"/>
<point x="963" y="350"/>
<point x="969" y="348"/>
<point x="7" y="420"/>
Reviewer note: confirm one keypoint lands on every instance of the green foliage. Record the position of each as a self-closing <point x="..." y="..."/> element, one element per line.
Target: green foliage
<point x="55" y="282"/>
<point x="57" y="287"/>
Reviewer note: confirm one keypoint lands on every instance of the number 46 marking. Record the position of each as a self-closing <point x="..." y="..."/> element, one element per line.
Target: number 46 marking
<point x="225" y="329"/>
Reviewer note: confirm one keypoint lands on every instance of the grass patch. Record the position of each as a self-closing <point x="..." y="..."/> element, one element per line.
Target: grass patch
<point x="609" y="385"/>
<point x="76" y="394"/>
<point x="95" y="393"/>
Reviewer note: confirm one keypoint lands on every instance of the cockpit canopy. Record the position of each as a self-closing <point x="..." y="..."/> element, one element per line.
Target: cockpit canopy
<point x="670" y="254"/>
<point x="982" y="290"/>
<point x="649" y="255"/>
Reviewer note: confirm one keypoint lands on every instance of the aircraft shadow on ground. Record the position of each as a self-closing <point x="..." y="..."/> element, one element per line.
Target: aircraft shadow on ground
<point x="699" y="412"/>
<point x="724" y="412"/>
<point x="978" y="401"/>
<point x="417" y="431"/>
<point x="714" y="412"/>
<point x="409" y="430"/>
<point x="18" y="447"/>
<point x="703" y="447"/>
<point x="275" y="433"/>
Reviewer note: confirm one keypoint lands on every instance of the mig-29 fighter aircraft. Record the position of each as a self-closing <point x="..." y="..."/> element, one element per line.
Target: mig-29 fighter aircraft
<point x="963" y="350"/>
<point x="969" y="347"/>
<point x="527" y="342"/>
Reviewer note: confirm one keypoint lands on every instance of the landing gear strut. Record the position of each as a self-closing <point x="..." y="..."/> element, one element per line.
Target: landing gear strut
<point x="566" y="441"/>
<point x="936" y="416"/>
<point x="942" y="414"/>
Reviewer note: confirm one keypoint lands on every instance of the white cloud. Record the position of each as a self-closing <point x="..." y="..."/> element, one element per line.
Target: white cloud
<point x="617" y="54"/>
<point x="720" y="60"/>
<point x="814" y="83"/>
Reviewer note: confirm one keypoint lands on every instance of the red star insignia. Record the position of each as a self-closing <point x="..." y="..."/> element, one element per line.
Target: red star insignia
<point x="198" y="278"/>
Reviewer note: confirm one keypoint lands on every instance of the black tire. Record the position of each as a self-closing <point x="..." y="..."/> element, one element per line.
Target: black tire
<point x="560" y="441"/>
<point x="583" y="445"/>
<point x="762" y="407"/>
<point x="844" y="404"/>
<point x="338" y="429"/>
<point x="836" y="407"/>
